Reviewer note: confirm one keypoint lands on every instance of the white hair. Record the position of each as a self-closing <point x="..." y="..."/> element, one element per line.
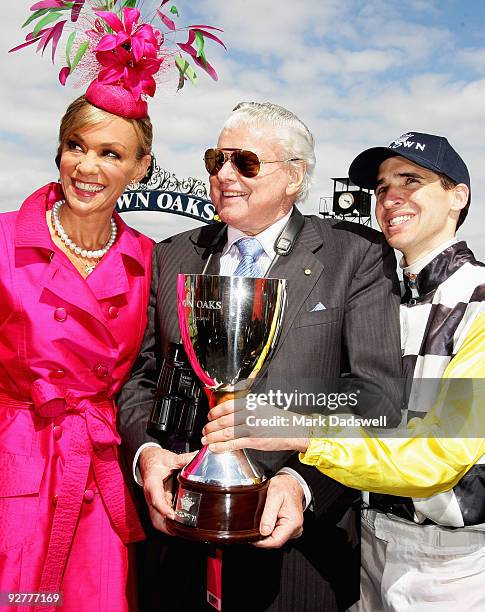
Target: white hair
<point x="292" y="134"/>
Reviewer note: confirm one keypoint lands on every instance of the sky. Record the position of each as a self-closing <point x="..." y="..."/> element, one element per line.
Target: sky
<point x="358" y="73"/>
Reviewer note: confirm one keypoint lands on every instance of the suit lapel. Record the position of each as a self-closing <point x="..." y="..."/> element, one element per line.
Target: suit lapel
<point x="209" y="246"/>
<point x="202" y="246"/>
<point x="214" y="264"/>
<point x="302" y="270"/>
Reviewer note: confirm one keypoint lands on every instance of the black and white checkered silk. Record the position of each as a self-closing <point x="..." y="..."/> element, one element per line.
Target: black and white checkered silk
<point x="443" y="302"/>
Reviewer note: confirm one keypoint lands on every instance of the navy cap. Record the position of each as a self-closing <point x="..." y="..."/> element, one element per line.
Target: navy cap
<point x="432" y="152"/>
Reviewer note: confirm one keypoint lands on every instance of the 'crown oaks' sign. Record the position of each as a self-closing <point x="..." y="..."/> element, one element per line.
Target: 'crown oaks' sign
<point x="164" y="192"/>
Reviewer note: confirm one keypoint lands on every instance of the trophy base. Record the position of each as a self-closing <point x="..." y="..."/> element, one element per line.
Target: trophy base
<point x="219" y="515"/>
<point x="212" y="537"/>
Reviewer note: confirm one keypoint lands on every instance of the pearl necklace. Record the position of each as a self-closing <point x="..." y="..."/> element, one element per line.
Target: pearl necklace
<point x="84" y="253"/>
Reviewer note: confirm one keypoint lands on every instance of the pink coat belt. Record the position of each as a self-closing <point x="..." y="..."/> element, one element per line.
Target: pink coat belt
<point x="94" y="441"/>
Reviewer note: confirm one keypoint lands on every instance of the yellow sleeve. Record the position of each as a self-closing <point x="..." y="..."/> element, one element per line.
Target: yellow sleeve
<point x="428" y="458"/>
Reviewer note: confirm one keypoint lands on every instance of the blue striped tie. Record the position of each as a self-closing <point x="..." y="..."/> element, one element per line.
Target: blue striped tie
<point x="250" y="250"/>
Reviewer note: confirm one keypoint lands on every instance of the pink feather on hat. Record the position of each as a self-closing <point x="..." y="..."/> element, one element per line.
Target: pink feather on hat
<point x="122" y="52"/>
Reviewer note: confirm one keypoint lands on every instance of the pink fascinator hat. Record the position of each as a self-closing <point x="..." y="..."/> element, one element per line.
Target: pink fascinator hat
<point x="115" y="51"/>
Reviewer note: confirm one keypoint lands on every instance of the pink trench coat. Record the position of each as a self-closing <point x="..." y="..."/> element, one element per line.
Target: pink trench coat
<point x="66" y="346"/>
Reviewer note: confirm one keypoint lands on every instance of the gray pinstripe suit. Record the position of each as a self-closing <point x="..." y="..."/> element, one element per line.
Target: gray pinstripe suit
<point x="352" y="273"/>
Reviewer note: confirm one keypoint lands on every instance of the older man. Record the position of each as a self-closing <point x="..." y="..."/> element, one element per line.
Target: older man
<point x="342" y="319"/>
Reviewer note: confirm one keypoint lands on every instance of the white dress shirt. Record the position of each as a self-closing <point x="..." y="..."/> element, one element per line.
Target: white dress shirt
<point x="231" y="256"/>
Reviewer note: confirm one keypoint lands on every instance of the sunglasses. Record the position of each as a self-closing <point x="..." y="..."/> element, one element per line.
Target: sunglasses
<point x="246" y="163"/>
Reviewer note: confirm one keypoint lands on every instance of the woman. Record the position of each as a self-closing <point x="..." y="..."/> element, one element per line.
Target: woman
<point x="430" y="456"/>
<point x="74" y="284"/>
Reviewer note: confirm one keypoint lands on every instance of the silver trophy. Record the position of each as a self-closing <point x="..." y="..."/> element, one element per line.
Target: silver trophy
<point x="229" y="327"/>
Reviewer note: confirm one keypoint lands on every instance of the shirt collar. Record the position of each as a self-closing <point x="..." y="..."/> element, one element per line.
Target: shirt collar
<point x="417" y="266"/>
<point x="266" y="238"/>
<point x="438" y="270"/>
<point x="31" y="227"/>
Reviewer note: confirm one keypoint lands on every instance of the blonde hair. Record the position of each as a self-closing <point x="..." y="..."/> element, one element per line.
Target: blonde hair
<point x="82" y="113"/>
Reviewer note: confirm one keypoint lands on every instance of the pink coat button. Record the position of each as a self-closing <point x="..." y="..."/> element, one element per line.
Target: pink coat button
<point x="60" y="314"/>
<point x="112" y="312"/>
<point x="54" y="500"/>
<point x="101" y="371"/>
<point x="57" y="432"/>
<point x="88" y="495"/>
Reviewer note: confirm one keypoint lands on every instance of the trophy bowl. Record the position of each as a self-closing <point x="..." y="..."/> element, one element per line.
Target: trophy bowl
<point x="229" y="327"/>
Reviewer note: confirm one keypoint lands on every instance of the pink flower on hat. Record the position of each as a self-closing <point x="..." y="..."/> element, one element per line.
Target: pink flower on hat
<point x="129" y="56"/>
<point x="120" y="54"/>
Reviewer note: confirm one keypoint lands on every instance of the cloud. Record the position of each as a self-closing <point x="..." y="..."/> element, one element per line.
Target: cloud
<point x="265" y="28"/>
<point x="472" y="59"/>
<point x="359" y="73"/>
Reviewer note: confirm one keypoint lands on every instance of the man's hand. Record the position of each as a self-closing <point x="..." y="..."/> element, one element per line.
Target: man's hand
<point x="282" y="517"/>
<point x="157" y="467"/>
<point x="232" y="426"/>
